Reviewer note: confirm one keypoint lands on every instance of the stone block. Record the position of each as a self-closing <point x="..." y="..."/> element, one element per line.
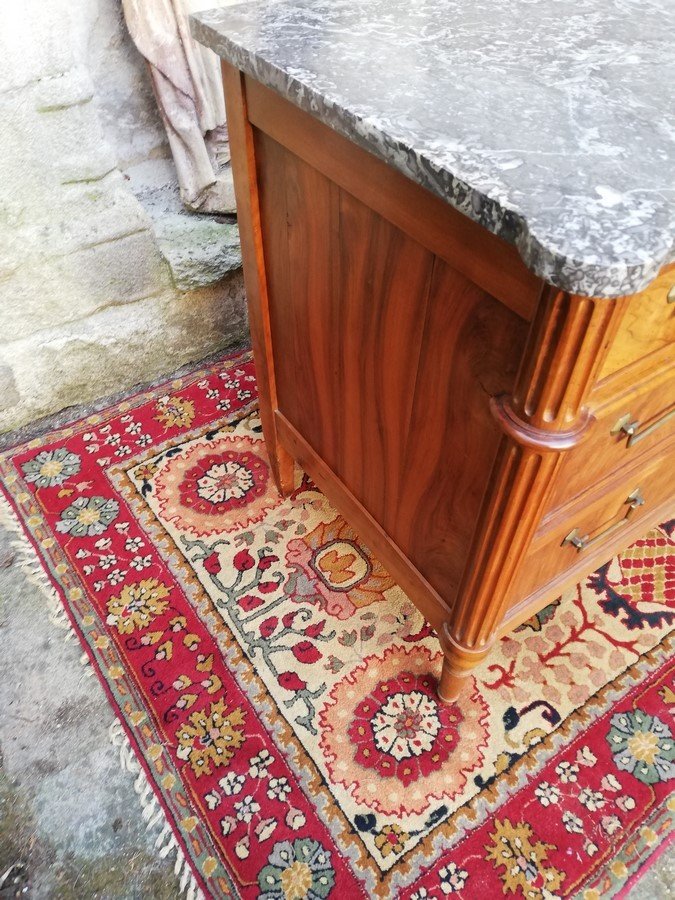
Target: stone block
<point x="73" y="87"/>
<point x="9" y="395"/>
<point x="120" y="347"/>
<point x="49" y="292"/>
<point x="34" y="41"/>
<point x="41" y="150"/>
<point x="199" y="249"/>
<point x="80" y="216"/>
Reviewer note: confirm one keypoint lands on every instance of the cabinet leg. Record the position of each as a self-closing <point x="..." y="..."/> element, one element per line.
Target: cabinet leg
<point x="458" y="661"/>
<point x="283" y="470"/>
<point x="450" y="683"/>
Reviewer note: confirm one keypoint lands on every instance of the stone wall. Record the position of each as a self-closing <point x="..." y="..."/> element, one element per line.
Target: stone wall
<point x="89" y="304"/>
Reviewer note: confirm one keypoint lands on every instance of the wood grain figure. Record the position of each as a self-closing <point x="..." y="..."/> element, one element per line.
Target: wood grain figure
<point x="492" y="439"/>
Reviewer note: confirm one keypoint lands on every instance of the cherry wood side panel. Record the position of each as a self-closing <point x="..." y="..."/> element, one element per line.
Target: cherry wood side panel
<point x="480" y="256"/>
<point x="382" y="293"/>
<point x="471" y="349"/>
<point x="348" y="295"/>
<point x="385" y="360"/>
<point x="300" y="290"/>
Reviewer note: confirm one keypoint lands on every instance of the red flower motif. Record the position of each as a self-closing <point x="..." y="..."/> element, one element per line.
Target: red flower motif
<point x="249" y="602"/>
<point x="266" y="561"/>
<point x="212" y="563"/>
<point x="267" y="627"/>
<point x="402" y="731"/>
<point x="243" y="561"/>
<point x="287" y="620"/>
<point x="268" y="586"/>
<point x="306" y="652"/>
<point x="291" y="681"/>
<point x="315" y="630"/>
<point x="214" y="483"/>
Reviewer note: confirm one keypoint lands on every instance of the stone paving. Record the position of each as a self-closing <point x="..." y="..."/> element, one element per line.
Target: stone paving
<point x="70" y="822"/>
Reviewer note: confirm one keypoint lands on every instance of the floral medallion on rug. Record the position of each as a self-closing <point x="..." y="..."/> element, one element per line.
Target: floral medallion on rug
<point x="278" y="688"/>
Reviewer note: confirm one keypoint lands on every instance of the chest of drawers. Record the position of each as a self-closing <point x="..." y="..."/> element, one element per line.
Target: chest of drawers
<point x="493" y="439"/>
<point x="478" y="369"/>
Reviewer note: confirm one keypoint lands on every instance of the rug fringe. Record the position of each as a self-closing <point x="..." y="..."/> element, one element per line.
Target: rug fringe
<point x="29" y="563"/>
<point x="154" y="816"/>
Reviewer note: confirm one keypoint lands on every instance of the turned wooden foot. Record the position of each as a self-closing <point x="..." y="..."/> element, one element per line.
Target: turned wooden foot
<point x="458" y="662"/>
<point x="450" y="683"/>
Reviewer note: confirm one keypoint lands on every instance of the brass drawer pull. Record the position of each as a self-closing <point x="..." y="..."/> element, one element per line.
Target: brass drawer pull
<point x="575" y="539"/>
<point x="630" y="427"/>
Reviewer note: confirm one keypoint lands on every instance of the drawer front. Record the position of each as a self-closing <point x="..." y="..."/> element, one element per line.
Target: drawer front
<point x="647" y="327"/>
<point x="589" y="531"/>
<point x="625" y="429"/>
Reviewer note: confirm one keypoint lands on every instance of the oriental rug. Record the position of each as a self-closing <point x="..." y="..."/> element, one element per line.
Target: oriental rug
<point x="278" y="689"/>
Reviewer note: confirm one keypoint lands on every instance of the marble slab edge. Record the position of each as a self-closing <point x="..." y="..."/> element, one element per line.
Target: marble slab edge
<point x="576" y="276"/>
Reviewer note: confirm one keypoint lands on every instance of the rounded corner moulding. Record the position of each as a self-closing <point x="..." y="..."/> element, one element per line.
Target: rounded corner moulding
<point x="535" y="438"/>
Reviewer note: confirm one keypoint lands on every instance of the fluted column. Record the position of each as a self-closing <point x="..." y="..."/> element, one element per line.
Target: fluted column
<point x="544" y="418"/>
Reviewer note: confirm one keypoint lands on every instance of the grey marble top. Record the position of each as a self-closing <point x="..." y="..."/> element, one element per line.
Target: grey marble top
<point x="549" y="122"/>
